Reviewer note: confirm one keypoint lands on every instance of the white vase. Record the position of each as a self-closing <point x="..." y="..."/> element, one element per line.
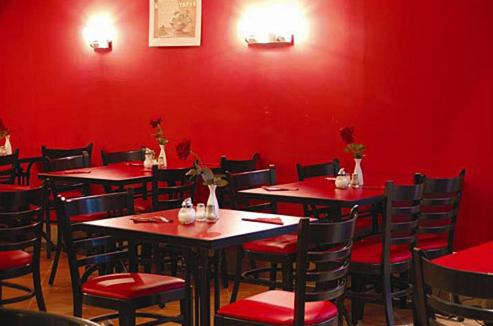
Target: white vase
<point x="358" y="171"/>
<point x="161" y="159"/>
<point x="212" y="209"/>
<point x="8" y="146"/>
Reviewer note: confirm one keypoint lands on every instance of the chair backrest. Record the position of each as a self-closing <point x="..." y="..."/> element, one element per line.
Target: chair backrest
<point x="433" y="279"/>
<point x="65" y="152"/>
<point x="8" y="167"/>
<point x="401" y="215"/>
<point x="248" y="180"/>
<point x="124" y="156"/>
<point x="235" y="166"/>
<point x="16" y="317"/>
<point x="440" y="207"/>
<point x="115" y="204"/>
<point x="22" y="199"/>
<point x="322" y="261"/>
<point x="21" y="229"/>
<point x="328" y="169"/>
<point x="66" y="163"/>
<point x="170" y="187"/>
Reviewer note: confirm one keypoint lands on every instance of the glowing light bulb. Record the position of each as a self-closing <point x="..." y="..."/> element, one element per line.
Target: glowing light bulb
<point x="99" y="31"/>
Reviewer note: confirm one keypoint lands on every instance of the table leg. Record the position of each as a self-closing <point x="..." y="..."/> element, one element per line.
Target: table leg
<point x="204" y="294"/>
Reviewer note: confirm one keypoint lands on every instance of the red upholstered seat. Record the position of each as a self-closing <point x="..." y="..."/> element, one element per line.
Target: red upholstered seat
<point x="130" y="285"/>
<point x="14" y="258"/>
<point x="284" y="244"/>
<point x="428" y="241"/>
<point x="142" y="206"/>
<point x="364" y="223"/>
<point x="277" y="308"/>
<point x="369" y="251"/>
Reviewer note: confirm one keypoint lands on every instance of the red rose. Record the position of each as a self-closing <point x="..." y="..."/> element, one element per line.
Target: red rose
<point x="347" y="134"/>
<point x="183" y="149"/>
<point x="155" y="122"/>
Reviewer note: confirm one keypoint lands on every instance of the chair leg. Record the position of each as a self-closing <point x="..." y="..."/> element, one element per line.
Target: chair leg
<point x="48" y="234"/>
<point x="126" y="316"/>
<point x="273" y="276"/>
<point x="387" y="299"/>
<point x="54" y="266"/>
<point x="236" y="284"/>
<point x="38" y="290"/>
<point x="186" y="312"/>
<point x="287" y="276"/>
<point x="357" y="305"/>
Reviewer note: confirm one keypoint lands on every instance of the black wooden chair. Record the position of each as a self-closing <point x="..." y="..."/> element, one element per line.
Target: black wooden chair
<point x="322" y="262"/>
<point x="433" y="280"/>
<point x="277" y="250"/>
<point x="9" y="167"/>
<point x="52" y="153"/>
<point x="439" y="210"/>
<point x="16" y="317"/>
<point x="236" y="166"/>
<point x="21" y="220"/>
<point x="380" y="265"/>
<point x="170" y="187"/>
<point x="114" y="288"/>
<point x="68" y="189"/>
<point x="136" y="156"/>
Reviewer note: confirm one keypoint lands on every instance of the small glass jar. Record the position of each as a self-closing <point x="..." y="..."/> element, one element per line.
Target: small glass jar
<point x="210" y="213"/>
<point x="3" y="151"/>
<point x="200" y="213"/>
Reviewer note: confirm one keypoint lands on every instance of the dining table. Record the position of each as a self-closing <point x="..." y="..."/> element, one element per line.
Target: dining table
<point x="233" y="228"/>
<point x="478" y="259"/>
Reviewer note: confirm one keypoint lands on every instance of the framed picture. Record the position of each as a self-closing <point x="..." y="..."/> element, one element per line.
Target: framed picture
<point x="175" y="22"/>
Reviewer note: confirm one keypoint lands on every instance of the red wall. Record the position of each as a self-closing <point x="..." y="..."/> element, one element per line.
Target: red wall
<point x="413" y="77"/>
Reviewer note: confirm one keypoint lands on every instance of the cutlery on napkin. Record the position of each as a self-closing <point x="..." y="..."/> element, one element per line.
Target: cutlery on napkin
<point x="150" y="219"/>
<point x="77" y="171"/>
<point x="277" y="188"/>
<point x="270" y="220"/>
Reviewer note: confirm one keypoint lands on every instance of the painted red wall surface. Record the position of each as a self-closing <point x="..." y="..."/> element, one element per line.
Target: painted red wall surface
<point x="414" y="78"/>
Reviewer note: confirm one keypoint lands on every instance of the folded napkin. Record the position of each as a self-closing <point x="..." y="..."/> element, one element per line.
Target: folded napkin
<point x="77" y="171"/>
<point x="270" y="220"/>
<point x="150" y="219"/>
<point x="278" y="188"/>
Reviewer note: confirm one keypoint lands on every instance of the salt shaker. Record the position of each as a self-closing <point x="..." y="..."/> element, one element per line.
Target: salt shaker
<point x="355" y="181"/>
<point x="210" y="213"/>
<point x="200" y="214"/>
<point x="186" y="214"/>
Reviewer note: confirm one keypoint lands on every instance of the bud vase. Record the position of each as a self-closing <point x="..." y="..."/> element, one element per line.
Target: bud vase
<point x="212" y="210"/>
<point x="8" y="146"/>
<point x="161" y="159"/>
<point x="358" y="171"/>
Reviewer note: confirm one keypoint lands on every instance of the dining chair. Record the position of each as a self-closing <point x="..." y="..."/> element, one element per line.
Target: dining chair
<point x="53" y="153"/>
<point x="17" y="317"/>
<point x="236" y="166"/>
<point x="433" y="279"/>
<point x="114" y="288"/>
<point x="68" y="189"/>
<point x="322" y="263"/>
<point x="277" y="250"/>
<point x="439" y="211"/>
<point x="380" y="265"/>
<point x="9" y="167"/>
<point x="134" y="156"/>
<point x="21" y="223"/>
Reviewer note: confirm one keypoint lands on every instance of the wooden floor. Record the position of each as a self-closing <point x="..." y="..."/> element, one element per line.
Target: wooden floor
<point x="59" y="299"/>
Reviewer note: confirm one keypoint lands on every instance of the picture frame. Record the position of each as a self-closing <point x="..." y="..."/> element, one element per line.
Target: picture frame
<point x="175" y="22"/>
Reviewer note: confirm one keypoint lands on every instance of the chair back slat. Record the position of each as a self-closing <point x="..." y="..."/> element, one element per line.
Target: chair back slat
<point x="170" y="187"/>
<point x="328" y="169"/>
<point x="53" y="153"/>
<point x="8" y="167"/>
<point x="248" y="180"/>
<point x="114" y="205"/>
<point x="122" y="156"/>
<point x="68" y="162"/>
<point x="323" y="257"/>
<point x="433" y="279"/>
<point x="236" y="166"/>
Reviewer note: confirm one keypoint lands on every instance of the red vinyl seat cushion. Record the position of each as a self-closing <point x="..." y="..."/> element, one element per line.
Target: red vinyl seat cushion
<point x="428" y="241"/>
<point x="130" y="285"/>
<point x="14" y="259"/>
<point x="277" y="308"/>
<point x="143" y="206"/>
<point x="369" y="251"/>
<point x="284" y="244"/>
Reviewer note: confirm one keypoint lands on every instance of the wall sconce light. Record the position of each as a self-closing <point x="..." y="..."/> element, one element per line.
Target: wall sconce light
<point x="99" y="32"/>
<point x="272" y="23"/>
